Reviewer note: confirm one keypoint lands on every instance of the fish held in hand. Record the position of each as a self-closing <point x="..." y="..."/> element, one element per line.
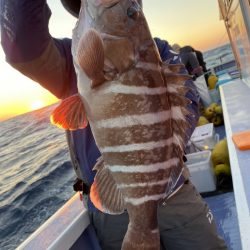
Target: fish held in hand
<point x="136" y="107"/>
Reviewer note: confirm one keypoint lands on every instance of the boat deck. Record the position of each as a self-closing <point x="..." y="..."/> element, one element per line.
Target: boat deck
<point x="224" y="210"/>
<point x="235" y="97"/>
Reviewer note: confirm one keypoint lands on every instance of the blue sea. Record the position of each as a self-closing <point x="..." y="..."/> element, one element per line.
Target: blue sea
<point x="218" y="55"/>
<point x="36" y="175"/>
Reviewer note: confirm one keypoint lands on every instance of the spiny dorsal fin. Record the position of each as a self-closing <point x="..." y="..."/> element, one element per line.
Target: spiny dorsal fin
<point x="176" y="91"/>
<point x="90" y="56"/>
<point x="174" y="68"/>
<point x="179" y="100"/>
<point x="176" y="78"/>
<point x="180" y="122"/>
<point x="70" y="114"/>
<point x="104" y="192"/>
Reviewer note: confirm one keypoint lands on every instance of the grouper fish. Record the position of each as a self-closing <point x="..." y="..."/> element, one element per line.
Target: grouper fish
<point x="136" y="107"/>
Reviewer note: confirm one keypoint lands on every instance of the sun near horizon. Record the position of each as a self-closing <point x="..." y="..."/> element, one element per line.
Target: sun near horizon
<point x="22" y="106"/>
<point x="191" y="22"/>
<point x="19" y="94"/>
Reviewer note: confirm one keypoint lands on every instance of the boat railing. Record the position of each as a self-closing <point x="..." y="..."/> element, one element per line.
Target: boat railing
<point x="61" y="230"/>
<point x="225" y="66"/>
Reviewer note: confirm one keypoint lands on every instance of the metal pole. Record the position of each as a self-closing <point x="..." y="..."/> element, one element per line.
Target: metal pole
<point x="227" y="25"/>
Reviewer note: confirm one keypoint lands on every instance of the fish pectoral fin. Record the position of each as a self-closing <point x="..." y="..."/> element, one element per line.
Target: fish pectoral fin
<point x="70" y="114"/>
<point x="90" y="56"/>
<point x="104" y="192"/>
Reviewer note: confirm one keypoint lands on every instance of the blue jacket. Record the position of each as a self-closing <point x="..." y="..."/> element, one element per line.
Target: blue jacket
<point x="31" y="49"/>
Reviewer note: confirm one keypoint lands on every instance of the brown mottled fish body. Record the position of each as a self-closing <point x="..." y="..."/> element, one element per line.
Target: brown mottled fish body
<point x="136" y="109"/>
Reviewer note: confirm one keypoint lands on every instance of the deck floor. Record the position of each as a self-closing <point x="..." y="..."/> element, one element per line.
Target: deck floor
<point x="224" y="210"/>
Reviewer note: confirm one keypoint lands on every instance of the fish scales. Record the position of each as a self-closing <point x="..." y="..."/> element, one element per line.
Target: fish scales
<point x="123" y="105"/>
<point x="135" y="105"/>
<point x="136" y="134"/>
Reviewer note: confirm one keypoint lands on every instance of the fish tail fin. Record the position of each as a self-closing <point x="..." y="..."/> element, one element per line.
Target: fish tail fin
<point x="143" y="231"/>
<point x="134" y="239"/>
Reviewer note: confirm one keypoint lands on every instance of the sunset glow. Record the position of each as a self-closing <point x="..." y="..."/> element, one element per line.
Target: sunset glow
<point x="187" y="22"/>
<point x="37" y="104"/>
<point x="21" y="106"/>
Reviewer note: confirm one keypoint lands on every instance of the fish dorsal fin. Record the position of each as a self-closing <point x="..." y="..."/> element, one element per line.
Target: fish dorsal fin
<point x="176" y="91"/>
<point x="104" y="192"/>
<point x="70" y="114"/>
<point x="90" y="56"/>
<point x="175" y="68"/>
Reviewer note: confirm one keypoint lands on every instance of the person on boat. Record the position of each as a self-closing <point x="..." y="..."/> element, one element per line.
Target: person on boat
<point x="193" y="60"/>
<point x="189" y="59"/>
<point x="185" y="220"/>
<point x="201" y="61"/>
<point x="200" y="58"/>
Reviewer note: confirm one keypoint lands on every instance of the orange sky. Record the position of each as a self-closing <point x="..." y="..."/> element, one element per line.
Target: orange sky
<point x="192" y="22"/>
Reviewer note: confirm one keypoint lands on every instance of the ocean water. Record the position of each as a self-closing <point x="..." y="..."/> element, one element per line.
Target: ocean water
<point x="218" y="55"/>
<point x="36" y="175"/>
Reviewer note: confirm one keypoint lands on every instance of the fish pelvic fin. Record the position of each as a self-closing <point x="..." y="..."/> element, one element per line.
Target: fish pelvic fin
<point x="70" y="114"/>
<point x="104" y="192"/>
<point x="90" y="56"/>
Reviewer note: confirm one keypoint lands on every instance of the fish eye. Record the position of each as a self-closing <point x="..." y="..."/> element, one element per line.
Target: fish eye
<point x="133" y="11"/>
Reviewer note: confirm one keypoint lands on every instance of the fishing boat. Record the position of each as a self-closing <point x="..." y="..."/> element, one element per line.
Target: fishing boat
<point x="70" y="228"/>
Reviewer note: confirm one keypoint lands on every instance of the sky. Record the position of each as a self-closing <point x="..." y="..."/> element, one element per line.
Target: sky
<point x="186" y="22"/>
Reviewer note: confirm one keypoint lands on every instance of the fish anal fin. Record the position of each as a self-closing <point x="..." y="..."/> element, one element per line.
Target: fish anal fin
<point x="95" y="197"/>
<point x="90" y="56"/>
<point x="70" y="114"/>
<point x="104" y="192"/>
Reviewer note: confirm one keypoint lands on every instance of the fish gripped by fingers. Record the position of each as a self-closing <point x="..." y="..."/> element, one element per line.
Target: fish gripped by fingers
<point x="136" y="107"/>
